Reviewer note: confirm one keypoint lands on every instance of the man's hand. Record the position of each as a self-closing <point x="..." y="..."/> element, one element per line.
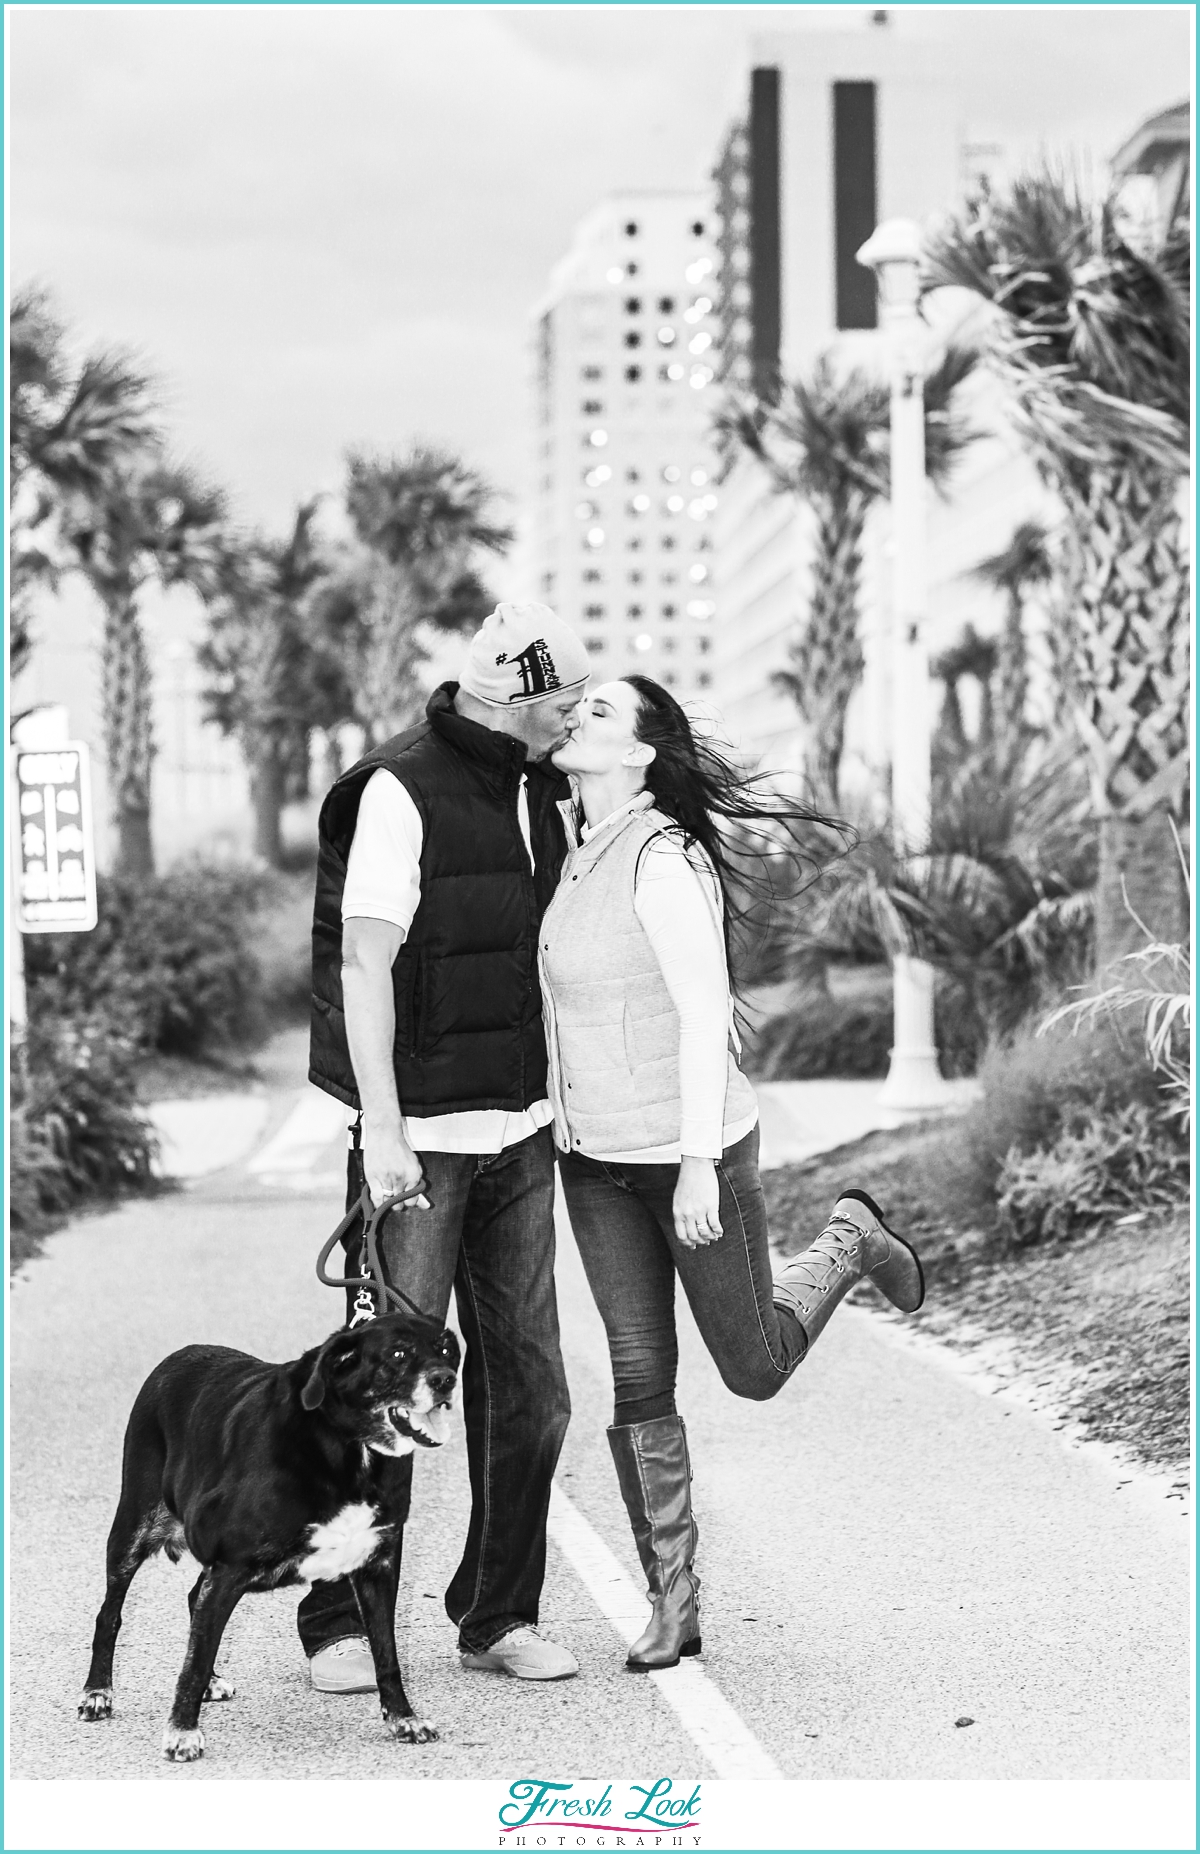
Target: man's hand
<point x="391" y="1165"/>
<point x="697" y="1204"/>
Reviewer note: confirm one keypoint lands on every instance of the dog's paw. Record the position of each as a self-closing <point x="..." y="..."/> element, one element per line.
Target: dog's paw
<point x="182" y="1747"/>
<point x="96" y="1703"/>
<point x="219" y="1688"/>
<point x="410" y="1731"/>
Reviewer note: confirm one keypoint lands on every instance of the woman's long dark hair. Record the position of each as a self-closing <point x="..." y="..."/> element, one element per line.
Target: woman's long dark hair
<point x="747" y="830"/>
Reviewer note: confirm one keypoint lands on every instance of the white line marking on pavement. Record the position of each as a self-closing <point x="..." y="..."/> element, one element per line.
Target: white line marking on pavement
<point x="701" y="1708"/>
<point x="313" y="1123"/>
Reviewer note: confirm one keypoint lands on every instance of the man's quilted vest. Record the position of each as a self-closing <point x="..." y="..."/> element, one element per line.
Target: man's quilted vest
<point x="468" y="1004"/>
<point x="612" y="1029"/>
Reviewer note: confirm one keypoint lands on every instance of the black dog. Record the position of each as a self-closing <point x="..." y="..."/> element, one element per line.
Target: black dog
<point x="271" y="1475"/>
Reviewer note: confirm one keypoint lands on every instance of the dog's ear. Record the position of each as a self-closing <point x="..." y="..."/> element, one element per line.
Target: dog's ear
<point x="335" y="1354"/>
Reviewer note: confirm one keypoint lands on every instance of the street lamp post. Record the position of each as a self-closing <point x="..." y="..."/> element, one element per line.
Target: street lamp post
<point x="914" y="1083"/>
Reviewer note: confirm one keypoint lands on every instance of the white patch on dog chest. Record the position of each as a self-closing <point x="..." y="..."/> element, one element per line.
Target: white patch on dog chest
<point x="341" y="1544"/>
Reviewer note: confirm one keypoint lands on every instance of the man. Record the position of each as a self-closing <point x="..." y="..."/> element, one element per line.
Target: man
<point x="438" y="855"/>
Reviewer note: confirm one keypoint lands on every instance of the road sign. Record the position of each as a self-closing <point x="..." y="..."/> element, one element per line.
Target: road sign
<point x="55" y="856"/>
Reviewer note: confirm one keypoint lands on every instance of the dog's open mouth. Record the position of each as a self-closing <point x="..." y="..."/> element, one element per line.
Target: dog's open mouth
<point x="429" y="1428"/>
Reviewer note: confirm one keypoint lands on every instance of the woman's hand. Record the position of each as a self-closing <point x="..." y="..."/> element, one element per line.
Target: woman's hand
<point x="697" y="1204"/>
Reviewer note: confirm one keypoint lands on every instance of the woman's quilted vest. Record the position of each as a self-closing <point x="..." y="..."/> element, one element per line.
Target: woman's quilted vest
<point x="612" y="1032"/>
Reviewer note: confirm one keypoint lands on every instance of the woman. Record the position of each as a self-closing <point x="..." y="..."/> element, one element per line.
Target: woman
<point x="656" y="1125"/>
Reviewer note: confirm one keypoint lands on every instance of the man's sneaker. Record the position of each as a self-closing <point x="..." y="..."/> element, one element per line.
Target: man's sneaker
<point x="527" y="1655"/>
<point x="345" y="1666"/>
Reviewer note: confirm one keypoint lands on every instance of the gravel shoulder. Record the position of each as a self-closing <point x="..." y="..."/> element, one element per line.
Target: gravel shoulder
<point x="1098" y="1326"/>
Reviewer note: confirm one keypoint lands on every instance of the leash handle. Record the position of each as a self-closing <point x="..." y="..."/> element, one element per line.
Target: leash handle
<point x="373" y="1218"/>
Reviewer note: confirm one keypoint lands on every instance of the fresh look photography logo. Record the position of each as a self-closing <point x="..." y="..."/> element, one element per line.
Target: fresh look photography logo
<point x="540" y="1813"/>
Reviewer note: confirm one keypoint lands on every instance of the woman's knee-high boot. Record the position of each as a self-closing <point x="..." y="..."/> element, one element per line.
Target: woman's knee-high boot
<point x="655" y="1476"/>
<point x="855" y="1242"/>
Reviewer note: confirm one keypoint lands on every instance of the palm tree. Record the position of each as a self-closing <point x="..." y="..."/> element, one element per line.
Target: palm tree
<point x="1090" y="336"/>
<point x="418" y="522"/>
<point x="149" y="519"/>
<point x="825" y="441"/>
<point x="975" y="656"/>
<point x="1015" y="571"/>
<point x="68" y="433"/>
<point x="270" y="683"/>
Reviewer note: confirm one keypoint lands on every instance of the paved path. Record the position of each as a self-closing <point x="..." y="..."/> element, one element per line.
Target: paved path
<point x="884" y="1550"/>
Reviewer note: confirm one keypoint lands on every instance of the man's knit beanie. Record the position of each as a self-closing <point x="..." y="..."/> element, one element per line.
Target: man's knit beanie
<point x="523" y="654"/>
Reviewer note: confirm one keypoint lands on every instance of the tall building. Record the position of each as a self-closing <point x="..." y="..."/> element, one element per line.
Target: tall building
<point x="833" y="132"/>
<point x="624" y="386"/>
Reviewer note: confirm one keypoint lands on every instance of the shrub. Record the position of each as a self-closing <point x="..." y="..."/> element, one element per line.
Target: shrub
<point x="1128" y="1160"/>
<point x="1163" y="1005"/>
<point x="171" y="963"/>
<point x="823" y="1036"/>
<point x="1033" y="1088"/>
<point x="282" y="928"/>
<point x="75" y="1131"/>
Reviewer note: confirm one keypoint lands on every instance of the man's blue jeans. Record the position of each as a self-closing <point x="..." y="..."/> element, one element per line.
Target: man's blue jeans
<point x="490" y="1236"/>
<point x="623" y="1223"/>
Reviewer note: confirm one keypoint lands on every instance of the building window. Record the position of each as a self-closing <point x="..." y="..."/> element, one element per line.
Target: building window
<point x="669" y="678"/>
<point x="633" y="374"/>
<point x="666" y="305"/>
<point x="667" y="542"/>
<point x="633" y="611"/>
<point x="593" y="645"/>
<point x="670" y="473"/>
<point x="669" y="645"/>
<point x="631" y="228"/>
<point x="633" y="339"/>
<point x="594" y="478"/>
<point x="594" y="537"/>
<point x="643" y="641"/>
<point x="633" y="475"/>
<point x="666" y="336"/>
<point x="593" y="373"/>
<point x="697" y="573"/>
<point x="633" y="305"/>
<point x="697" y="228"/>
<point x="704" y="679"/>
<point x="593" y="611"/>
<point x="592" y="407"/>
<point x="634" y="544"/>
<point x="585" y="510"/>
<point x="635" y="579"/>
<point x="598" y="439"/>
<point x="668" y="611"/>
<point x="638" y="505"/>
<point x="593" y="575"/>
<point x="704" y="645"/>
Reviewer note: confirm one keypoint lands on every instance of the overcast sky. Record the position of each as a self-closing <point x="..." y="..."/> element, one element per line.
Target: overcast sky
<point x="327" y="226"/>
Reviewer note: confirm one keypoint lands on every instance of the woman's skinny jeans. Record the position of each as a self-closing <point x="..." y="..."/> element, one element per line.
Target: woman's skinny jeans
<point x="623" y="1223"/>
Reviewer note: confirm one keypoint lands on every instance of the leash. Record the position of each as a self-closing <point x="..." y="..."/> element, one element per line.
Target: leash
<point x="374" y="1282"/>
